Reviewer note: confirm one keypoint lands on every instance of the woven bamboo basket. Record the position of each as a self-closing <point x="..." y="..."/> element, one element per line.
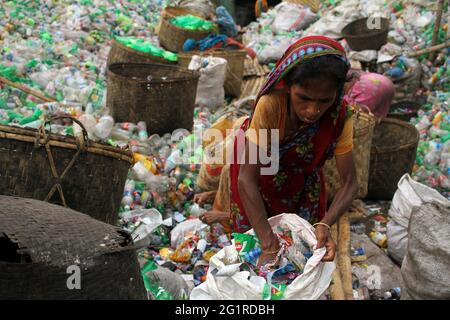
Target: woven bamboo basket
<point x="359" y="37"/>
<point x="42" y="245"/>
<point x="363" y="127"/>
<point x="170" y="12"/>
<point x="393" y="154"/>
<point x="161" y="95"/>
<point x="173" y="37"/>
<point x="77" y="173"/>
<point x="235" y="67"/>
<point x="120" y="53"/>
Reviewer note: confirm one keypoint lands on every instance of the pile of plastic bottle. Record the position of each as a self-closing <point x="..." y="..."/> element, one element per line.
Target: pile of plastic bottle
<point x="433" y="155"/>
<point x="437" y="75"/>
<point x="188" y="256"/>
<point x="63" y="46"/>
<point x="268" y="46"/>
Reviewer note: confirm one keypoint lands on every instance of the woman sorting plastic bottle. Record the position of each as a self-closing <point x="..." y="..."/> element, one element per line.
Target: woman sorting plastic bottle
<point x="302" y="98"/>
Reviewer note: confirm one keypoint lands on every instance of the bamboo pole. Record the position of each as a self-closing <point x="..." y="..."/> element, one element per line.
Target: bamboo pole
<point x="430" y="49"/>
<point x="344" y="261"/>
<point x="27" y="90"/>
<point x="96" y="149"/>
<point x="437" y="25"/>
<point x="336" y="289"/>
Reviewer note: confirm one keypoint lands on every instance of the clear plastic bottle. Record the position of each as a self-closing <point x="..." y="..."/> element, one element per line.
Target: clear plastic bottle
<point x="433" y="156"/>
<point x="444" y="162"/>
<point x="423" y="124"/>
<point x="436" y="132"/>
<point x="446" y="147"/>
<point x="128" y="199"/>
<point x="155" y="141"/>
<point x="173" y="160"/>
<point x="143" y="135"/>
<point x="142" y="173"/>
<point x="164" y="152"/>
<point x="120" y="134"/>
<point x="88" y="122"/>
<point x="104" y="127"/>
<point x="444" y="182"/>
<point x="196" y="211"/>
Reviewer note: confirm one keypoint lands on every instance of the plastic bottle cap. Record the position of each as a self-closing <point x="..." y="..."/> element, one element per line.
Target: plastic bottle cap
<point x="387" y="295"/>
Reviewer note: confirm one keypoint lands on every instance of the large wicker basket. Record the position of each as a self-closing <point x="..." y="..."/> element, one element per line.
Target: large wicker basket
<point x="83" y="175"/>
<point x="51" y="252"/>
<point x="170" y="12"/>
<point x="363" y="127"/>
<point x="359" y="37"/>
<point x="235" y="67"/>
<point x="393" y="154"/>
<point x="120" y="53"/>
<point x="173" y="37"/>
<point x="161" y="95"/>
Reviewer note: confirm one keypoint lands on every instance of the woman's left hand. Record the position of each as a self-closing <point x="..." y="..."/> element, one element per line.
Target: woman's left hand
<point x="324" y="238"/>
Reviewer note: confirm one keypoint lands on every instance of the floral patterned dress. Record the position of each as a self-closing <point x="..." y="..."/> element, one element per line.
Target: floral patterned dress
<point x="299" y="185"/>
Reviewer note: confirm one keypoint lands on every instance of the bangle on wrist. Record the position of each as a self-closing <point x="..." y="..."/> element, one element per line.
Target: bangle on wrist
<point x="271" y="252"/>
<point x="322" y="224"/>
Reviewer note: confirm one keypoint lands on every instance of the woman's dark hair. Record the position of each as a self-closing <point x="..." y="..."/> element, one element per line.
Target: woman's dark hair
<point x="322" y="67"/>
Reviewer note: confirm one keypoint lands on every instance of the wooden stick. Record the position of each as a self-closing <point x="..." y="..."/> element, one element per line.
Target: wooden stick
<point x="336" y="289"/>
<point x="344" y="261"/>
<point x="437" y="25"/>
<point x="27" y="90"/>
<point x="64" y="139"/>
<point x="430" y="49"/>
<point x="359" y="258"/>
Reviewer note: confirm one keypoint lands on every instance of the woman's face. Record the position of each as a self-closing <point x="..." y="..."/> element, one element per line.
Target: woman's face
<point x="312" y="99"/>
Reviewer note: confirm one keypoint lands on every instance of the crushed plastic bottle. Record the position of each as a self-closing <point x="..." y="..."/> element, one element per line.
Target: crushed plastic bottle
<point x="104" y="127"/>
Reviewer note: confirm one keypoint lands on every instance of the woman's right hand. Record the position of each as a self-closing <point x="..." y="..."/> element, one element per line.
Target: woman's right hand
<point x="267" y="257"/>
<point x="269" y="251"/>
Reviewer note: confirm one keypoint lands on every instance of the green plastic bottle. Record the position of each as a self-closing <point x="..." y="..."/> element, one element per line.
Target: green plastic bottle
<point x="35" y="116"/>
<point x="191" y="22"/>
